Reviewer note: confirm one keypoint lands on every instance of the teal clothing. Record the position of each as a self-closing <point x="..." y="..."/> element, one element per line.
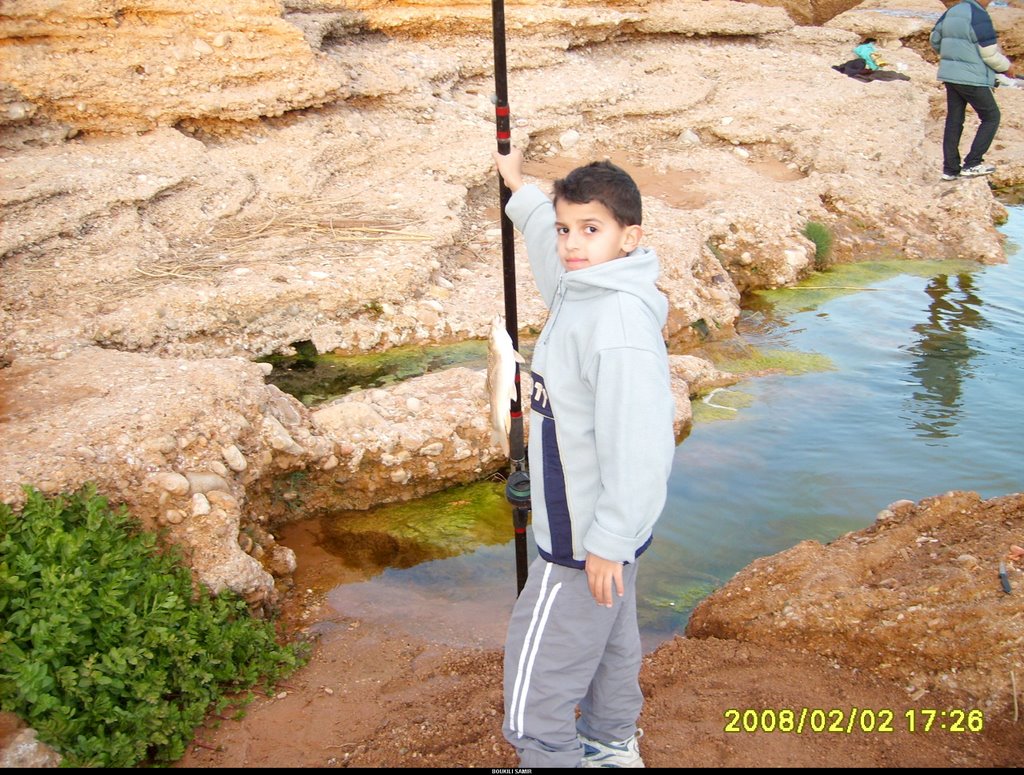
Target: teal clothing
<point x="965" y="40"/>
<point x="866" y="51"/>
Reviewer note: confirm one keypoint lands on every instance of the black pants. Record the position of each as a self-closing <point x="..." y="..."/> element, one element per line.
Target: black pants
<point x="983" y="102"/>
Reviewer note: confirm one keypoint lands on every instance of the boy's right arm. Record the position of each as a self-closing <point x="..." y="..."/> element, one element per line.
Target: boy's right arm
<point x="533" y="214"/>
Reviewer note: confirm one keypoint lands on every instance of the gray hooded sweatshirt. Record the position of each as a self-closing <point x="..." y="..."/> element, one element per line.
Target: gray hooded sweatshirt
<point x="601" y="438"/>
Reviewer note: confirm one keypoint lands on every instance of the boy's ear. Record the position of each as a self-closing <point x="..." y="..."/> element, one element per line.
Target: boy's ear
<point x="631" y="238"/>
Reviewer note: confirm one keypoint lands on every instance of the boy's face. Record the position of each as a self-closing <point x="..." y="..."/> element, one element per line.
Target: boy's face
<point x="588" y="235"/>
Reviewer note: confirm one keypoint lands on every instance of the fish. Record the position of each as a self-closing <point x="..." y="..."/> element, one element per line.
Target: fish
<point x="501" y="381"/>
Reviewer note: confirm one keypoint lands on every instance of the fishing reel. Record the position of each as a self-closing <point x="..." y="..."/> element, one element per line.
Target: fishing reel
<point x="517" y="489"/>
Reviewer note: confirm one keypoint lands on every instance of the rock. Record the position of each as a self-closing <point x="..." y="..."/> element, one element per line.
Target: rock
<point x="172" y="482"/>
<point x="279" y="438"/>
<point x="568" y="139"/>
<point x="280" y="561"/>
<point x="223" y="500"/>
<point x="204" y="482"/>
<point x="234" y="458"/>
<point x="341" y="418"/>
<point x="875" y="598"/>
<point x="200" y="505"/>
<point x="24" y="750"/>
<point x="151" y="263"/>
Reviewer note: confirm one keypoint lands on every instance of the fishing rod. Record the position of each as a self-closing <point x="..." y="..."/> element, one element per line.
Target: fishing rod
<point x="517" y="488"/>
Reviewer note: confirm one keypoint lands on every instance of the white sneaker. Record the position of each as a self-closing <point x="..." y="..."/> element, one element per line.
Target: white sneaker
<point x="976" y="170"/>
<point x="625" y="753"/>
<point x="947" y="176"/>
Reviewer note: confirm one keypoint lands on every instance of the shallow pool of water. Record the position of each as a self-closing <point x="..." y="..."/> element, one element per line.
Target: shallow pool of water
<point x="921" y="397"/>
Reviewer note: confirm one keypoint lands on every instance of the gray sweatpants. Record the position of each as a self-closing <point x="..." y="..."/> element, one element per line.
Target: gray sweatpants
<point x="564" y="650"/>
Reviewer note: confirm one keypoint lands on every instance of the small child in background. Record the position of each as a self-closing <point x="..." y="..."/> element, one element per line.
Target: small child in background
<point x="872" y="56"/>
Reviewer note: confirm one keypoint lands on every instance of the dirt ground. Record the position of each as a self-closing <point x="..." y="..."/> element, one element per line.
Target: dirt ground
<point x="369" y="699"/>
<point x="375" y="694"/>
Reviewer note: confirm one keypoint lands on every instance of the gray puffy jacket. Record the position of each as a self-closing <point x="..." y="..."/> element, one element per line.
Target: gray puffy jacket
<point x="965" y="40"/>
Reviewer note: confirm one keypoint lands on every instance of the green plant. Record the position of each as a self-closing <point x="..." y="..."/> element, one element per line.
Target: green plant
<point x="374" y="308"/>
<point x="107" y="648"/>
<point x="821" y="236"/>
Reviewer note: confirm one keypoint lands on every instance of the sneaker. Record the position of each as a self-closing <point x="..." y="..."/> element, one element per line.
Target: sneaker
<point x="947" y="176"/>
<point x="976" y="170"/>
<point x="625" y="753"/>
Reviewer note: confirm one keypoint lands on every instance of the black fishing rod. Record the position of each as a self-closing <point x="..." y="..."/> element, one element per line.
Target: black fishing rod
<point x="517" y="488"/>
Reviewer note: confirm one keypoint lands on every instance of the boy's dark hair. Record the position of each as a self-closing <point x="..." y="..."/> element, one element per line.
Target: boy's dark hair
<point x="606" y="183"/>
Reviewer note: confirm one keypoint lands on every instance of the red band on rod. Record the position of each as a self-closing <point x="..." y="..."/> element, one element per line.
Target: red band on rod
<point x="504" y="135"/>
<point x="501" y="111"/>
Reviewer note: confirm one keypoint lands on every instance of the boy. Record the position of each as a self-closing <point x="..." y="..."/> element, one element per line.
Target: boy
<point x="600" y="452"/>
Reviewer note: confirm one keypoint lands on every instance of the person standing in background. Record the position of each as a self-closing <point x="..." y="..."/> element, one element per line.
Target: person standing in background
<point x="969" y="58"/>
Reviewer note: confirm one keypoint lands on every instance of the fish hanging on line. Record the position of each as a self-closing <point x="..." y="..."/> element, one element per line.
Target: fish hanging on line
<point x="501" y="381"/>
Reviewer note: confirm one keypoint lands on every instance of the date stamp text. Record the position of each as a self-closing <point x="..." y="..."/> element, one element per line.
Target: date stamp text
<point x="852" y="720"/>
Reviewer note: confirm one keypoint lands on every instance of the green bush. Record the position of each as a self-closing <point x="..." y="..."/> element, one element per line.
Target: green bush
<point x="821" y="236"/>
<point x="106" y="647"/>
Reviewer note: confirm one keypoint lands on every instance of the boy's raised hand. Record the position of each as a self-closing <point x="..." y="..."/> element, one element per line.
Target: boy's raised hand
<point x="510" y="167"/>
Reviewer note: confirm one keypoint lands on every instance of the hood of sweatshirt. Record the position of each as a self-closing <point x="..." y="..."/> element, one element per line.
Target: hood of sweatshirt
<point x="635" y="274"/>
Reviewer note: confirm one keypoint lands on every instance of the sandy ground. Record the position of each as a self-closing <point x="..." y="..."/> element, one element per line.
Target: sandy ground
<point x="370" y="699"/>
<point x="374" y="694"/>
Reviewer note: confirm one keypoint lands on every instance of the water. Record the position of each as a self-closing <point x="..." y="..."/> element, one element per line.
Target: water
<point x="922" y="398"/>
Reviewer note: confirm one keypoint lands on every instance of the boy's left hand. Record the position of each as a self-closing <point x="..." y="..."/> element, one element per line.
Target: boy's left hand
<point x="602" y="575"/>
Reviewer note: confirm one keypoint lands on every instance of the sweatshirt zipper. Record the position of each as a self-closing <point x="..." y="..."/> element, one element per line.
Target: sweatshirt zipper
<point x="559" y="298"/>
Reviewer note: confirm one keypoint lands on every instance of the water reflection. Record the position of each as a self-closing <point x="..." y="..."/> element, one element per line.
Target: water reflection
<point x="943" y="355"/>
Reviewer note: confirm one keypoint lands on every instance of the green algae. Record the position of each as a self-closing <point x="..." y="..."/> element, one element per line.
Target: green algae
<point x="672" y="605"/>
<point x="400" y="535"/>
<point x="758" y="362"/>
<point x="720" y="404"/>
<point x="315" y="378"/>
<point x="845" y="279"/>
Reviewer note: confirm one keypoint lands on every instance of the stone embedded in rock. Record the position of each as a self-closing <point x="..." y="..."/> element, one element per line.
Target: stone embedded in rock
<point x="234" y="458"/>
<point x="200" y="505"/>
<point x="346" y="416"/>
<point x="172" y="482"/>
<point x="279" y="438"/>
<point x="204" y="481"/>
<point x="223" y="500"/>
